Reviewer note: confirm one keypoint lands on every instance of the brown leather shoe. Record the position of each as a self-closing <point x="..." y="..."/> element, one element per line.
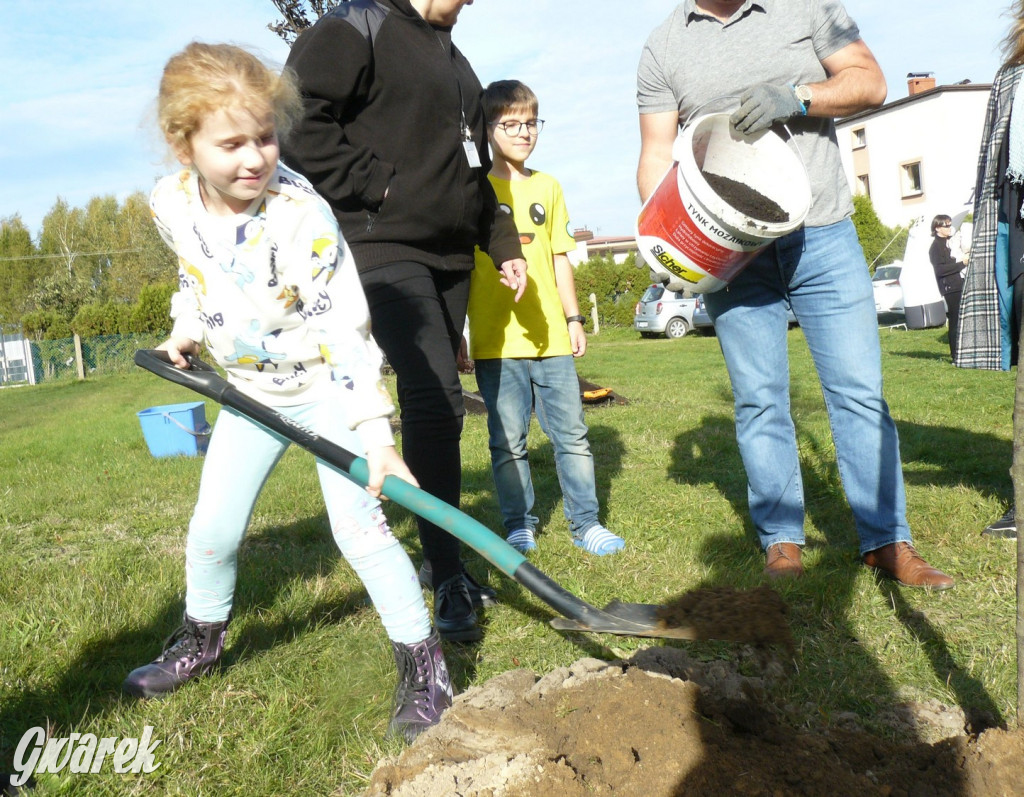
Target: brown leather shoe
<point x="900" y="561"/>
<point x="783" y="561"/>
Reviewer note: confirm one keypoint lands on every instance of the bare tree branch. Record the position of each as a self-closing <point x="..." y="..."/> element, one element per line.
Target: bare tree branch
<point x="298" y="15"/>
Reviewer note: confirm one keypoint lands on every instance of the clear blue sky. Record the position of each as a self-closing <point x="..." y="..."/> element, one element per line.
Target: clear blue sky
<point x="78" y="77"/>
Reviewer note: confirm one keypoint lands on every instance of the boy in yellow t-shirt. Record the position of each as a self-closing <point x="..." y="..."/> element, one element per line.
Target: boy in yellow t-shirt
<point x="524" y="351"/>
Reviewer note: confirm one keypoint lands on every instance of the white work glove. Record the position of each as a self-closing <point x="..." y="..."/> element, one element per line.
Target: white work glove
<point x="764" y="105"/>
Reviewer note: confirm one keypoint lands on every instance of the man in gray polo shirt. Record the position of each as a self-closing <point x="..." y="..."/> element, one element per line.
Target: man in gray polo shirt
<point x="798" y="63"/>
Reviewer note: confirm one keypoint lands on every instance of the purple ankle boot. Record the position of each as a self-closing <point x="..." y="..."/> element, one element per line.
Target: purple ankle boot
<point x="424" y="688"/>
<point x="190" y="652"/>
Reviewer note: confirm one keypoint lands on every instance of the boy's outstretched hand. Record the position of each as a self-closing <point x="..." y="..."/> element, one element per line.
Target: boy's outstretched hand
<point x="513" y="274"/>
<point x="384" y="461"/>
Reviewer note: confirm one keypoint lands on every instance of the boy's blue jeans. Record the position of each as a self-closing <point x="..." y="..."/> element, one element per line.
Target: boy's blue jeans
<point x="821" y="271"/>
<point x="511" y="388"/>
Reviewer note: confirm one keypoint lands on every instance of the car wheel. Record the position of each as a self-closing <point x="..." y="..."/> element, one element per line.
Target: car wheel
<point x="676" y="328"/>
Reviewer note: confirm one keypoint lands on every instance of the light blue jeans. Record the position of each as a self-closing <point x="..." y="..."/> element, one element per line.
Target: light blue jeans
<point x="822" y="273"/>
<point x="511" y="388"/>
<point x="240" y="457"/>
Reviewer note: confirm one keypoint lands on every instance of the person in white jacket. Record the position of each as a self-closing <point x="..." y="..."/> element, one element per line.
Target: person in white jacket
<point x="269" y="286"/>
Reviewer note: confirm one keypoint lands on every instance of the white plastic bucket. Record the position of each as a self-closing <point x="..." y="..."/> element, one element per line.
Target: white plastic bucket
<point x="687" y="230"/>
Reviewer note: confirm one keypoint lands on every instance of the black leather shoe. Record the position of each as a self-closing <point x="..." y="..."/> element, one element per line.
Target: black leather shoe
<point x="480" y="595"/>
<point x="453" y="611"/>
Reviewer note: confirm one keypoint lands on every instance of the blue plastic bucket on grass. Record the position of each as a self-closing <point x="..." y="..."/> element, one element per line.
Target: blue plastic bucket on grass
<point x="176" y="429"/>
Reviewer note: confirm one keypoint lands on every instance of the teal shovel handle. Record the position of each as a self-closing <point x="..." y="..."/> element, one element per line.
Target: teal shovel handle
<point x="477" y="536"/>
<point x="203" y="378"/>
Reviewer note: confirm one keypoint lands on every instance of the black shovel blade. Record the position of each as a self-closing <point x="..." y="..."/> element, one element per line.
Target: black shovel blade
<point x="626" y="619"/>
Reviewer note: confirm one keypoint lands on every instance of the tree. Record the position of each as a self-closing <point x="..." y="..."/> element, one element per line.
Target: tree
<point x="62" y="236"/>
<point x="882" y="245"/>
<point x="616" y="286"/>
<point x="136" y="255"/>
<point x="66" y="279"/>
<point x="152" y="312"/>
<point x="18" y="260"/>
<point x="298" y="15"/>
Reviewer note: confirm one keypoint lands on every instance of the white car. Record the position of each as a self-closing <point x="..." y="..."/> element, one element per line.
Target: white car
<point x="888" y="291"/>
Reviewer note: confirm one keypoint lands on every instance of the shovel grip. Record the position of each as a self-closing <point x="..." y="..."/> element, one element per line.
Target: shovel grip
<point x="200" y="376"/>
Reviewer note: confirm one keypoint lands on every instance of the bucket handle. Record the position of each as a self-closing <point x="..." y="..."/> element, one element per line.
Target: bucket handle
<point x="204" y="432"/>
<point x="736" y="97"/>
<point x="706" y="103"/>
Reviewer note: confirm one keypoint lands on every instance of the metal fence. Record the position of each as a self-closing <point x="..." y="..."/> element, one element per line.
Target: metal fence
<point x="54" y="360"/>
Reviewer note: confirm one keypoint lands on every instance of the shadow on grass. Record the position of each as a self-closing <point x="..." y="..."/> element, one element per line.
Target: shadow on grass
<point x="978" y="707"/>
<point x="975" y="460"/>
<point x="820" y="603"/>
<point x="90" y="686"/>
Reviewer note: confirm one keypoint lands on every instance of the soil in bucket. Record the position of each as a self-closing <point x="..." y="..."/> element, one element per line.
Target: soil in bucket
<point x="745" y="199"/>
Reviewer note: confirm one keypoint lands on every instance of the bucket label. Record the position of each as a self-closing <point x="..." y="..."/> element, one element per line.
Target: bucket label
<point x="670" y="261"/>
<point x="686" y="236"/>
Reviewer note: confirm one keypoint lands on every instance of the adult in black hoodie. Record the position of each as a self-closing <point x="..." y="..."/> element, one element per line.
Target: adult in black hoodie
<point x="393" y="136"/>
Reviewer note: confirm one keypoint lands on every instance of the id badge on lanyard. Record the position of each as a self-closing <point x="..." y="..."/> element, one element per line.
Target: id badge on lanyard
<point x="468" y="145"/>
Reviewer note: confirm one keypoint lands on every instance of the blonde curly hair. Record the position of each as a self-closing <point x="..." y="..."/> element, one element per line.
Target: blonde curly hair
<point x="205" y="77"/>
<point x="1013" y="44"/>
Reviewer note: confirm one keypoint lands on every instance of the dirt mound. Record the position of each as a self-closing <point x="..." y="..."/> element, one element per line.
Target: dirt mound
<point x="664" y="724"/>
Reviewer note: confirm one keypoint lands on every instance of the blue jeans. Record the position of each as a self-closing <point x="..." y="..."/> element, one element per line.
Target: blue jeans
<point x="822" y="273"/>
<point x="510" y="389"/>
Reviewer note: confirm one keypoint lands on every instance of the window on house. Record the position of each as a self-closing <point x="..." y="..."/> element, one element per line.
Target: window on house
<point x="863" y="185"/>
<point x="910" y="179"/>
<point x="860" y="138"/>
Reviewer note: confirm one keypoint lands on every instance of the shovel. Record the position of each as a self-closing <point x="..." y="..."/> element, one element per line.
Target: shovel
<point x="625" y="619"/>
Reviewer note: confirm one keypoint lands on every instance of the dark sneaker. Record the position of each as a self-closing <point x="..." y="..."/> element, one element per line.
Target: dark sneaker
<point x="480" y="595"/>
<point x="189" y="652"/>
<point x="1005" y="528"/>
<point x="454" y="616"/>
<point x="424" y="687"/>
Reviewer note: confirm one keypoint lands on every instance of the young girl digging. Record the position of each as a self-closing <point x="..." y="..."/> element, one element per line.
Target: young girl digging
<point x="269" y="285"/>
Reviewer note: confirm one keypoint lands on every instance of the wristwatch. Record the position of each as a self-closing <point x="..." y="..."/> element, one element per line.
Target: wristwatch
<point x="803" y="93"/>
<point x="569" y="319"/>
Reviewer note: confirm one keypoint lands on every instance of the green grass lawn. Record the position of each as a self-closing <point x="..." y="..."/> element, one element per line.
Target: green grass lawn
<point x="92" y="534"/>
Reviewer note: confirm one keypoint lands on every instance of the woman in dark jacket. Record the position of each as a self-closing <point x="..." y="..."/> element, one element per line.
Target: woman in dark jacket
<point x="947" y="274"/>
<point x="393" y="137"/>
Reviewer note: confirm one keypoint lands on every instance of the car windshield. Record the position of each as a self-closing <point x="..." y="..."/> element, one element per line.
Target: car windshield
<point x="653" y="293"/>
<point x="887" y="273"/>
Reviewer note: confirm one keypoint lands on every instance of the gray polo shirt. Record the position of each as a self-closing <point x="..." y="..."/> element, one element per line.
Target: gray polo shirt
<point x="693" y="63"/>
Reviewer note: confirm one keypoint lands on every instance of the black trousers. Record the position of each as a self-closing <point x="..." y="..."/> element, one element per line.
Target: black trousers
<point x="953" y="317"/>
<point x="417" y="316"/>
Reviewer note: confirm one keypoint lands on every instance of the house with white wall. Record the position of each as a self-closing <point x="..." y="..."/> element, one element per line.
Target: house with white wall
<point x="917" y="157"/>
<point x="588" y="245"/>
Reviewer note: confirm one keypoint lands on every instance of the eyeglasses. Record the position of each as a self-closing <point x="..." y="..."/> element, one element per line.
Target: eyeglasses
<point x="943" y="225"/>
<point x="513" y="128"/>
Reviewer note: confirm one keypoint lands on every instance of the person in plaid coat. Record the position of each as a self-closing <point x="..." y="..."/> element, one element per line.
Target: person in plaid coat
<point x="990" y="310"/>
